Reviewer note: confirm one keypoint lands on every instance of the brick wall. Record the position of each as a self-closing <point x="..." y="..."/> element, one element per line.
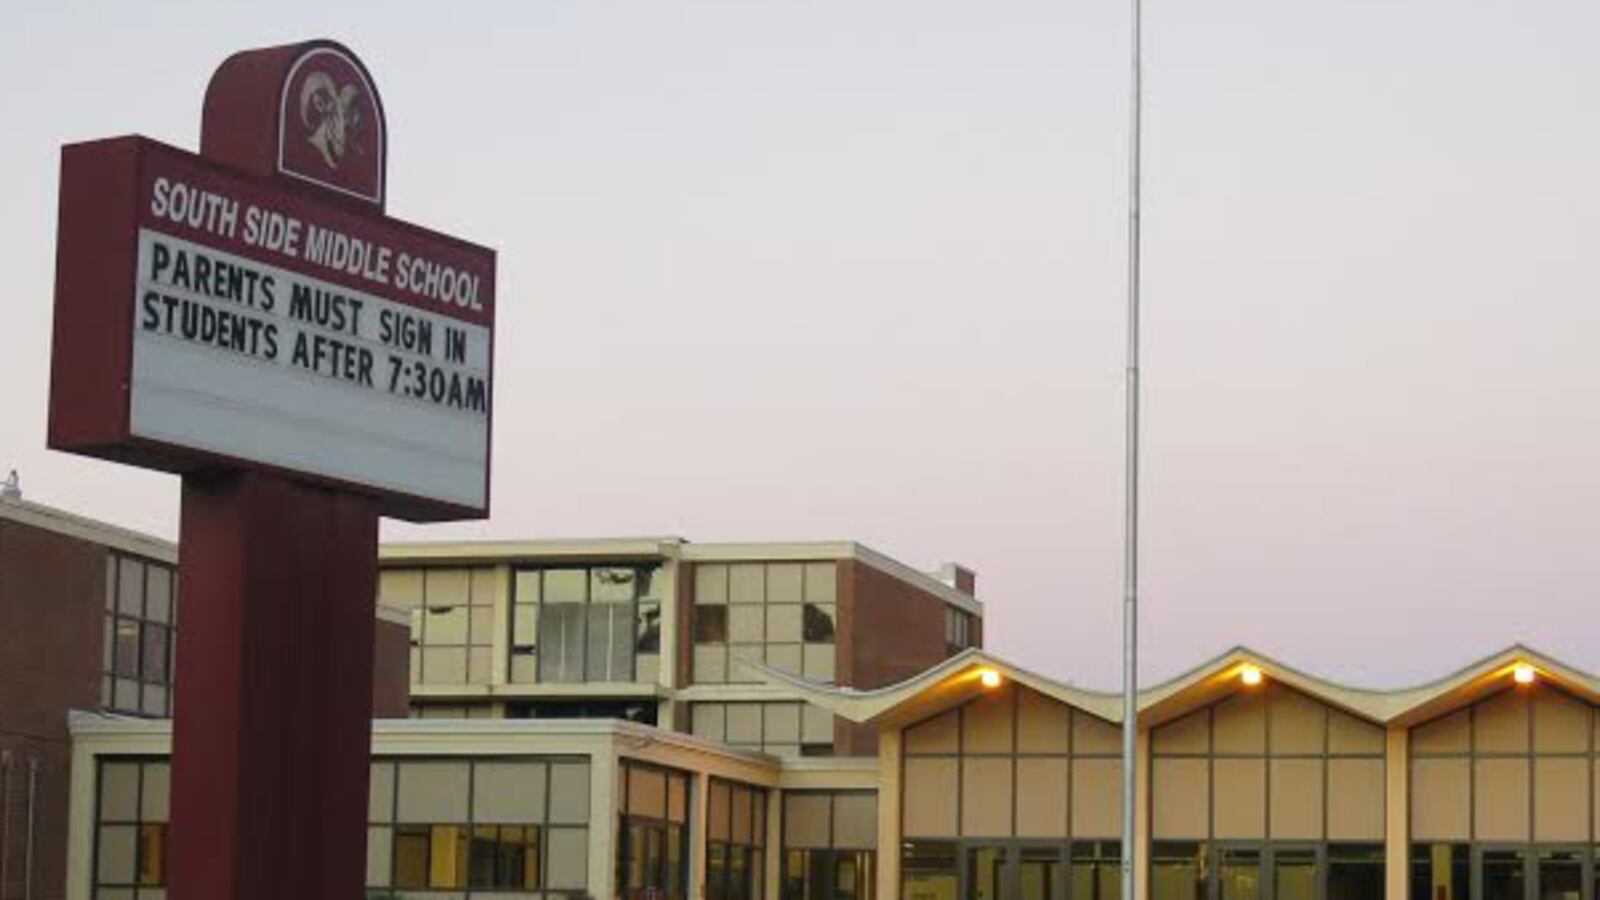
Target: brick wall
<point x="52" y="602"/>
<point x="888" y="631"/>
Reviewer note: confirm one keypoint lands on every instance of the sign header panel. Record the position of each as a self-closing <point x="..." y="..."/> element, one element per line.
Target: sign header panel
<point x="225" y="320"/>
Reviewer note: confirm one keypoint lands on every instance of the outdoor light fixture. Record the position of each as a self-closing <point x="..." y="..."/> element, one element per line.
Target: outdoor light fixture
<point x="1523" y="673"/>
<point x="1250" y="675"/>
<point x="989" y="678"/>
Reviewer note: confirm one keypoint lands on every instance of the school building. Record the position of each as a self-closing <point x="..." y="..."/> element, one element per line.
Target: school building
<point x="658" y="719"/>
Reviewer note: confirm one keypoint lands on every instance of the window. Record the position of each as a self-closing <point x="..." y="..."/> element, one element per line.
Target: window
<point x="452" y="621"/>
<point x="586" y="624"/>
<point x="1267" y="793"/>
<point x="783" y="615"/>
<point x="780" y="728"/>
<point x="479" y="826"/>
<point x="653" y="837"/>
<point x="929" y="869"/>
<point x="958" y="627"/>
<point x="736" y="827"/>
<point x="829" y="845"/>
<point x="139" y="638"/>
<point x="1502" y="797"/>
<point x="131" y="829"/>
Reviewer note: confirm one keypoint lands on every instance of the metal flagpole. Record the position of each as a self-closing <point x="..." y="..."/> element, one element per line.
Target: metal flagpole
<point x="1130" y="571"/>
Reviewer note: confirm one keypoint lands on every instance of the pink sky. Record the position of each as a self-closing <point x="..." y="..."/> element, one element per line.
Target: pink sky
<point x="846" y="270"/>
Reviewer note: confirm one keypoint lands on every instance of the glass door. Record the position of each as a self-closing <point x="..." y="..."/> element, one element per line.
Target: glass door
<point x="1294" y="873"/>
<point x="1561" y="874"/>
<point x="1502" y="873"/>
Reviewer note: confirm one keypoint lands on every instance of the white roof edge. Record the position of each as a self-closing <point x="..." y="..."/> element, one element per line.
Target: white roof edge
<point x="429" y="551"/>
<point x="94" y="531"/>
<point x="1379" y="706"/>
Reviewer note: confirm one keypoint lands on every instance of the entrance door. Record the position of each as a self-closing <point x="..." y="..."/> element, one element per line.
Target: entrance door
<point x="1015" y="871"/>
<point x="1560" y="874"/>
<point x="830" y="875"/>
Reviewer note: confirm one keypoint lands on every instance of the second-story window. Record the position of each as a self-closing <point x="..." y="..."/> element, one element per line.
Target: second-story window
<point x="957" y="630"/>
<point x="452" y="622"/>
<point x="782" y="615"/>
<point x="586" y="624"/>
<point x="140" y="623"/>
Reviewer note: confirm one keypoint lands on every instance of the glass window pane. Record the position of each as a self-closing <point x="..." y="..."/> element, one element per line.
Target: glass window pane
<point x="129" y="639"/>
<point x="709" y="721"/>
<point x="568" y="859"/>
<point x="524" y="625"/>
<point x="562" y="641"/>
<point x="818" y="662"/>
<point x="565" y="586"/>
<point x="432" y="792"/>
<point x="444" y="665"/>
<point x="747" y="583"/>
<point x="821" y="582"/>
<point x="1355" y="871"/>
<point x="1294" y="874"/>
<point x="783" y="624"/>
<point x="710" y="584"/>
<point x="116" y="854"/>
<point x="526" y="587"/>
<point x="380" y="856"/>
<point x="611" y="585"/>
<point x="744" y="724"/>
<point x="647" y="630"/>
<point x="119" y="792"/>
<point x="445" y="625"/>
<point x="1177" y="871"/>
<point x="819" y="623"/>
<point x="380" y="792"/>
<point x="155" y="793"/>
<point x="1239" y="874"/>
<point x="784" y="583"/>
<point x="130" y="587"/>
<point x="711" y="625"/>
<point x="745" y="624"/>
<point x="1560" y="875"/>
<point x="711" y="664"/>
<point x="157" y="649"/>
<point x="158" y="594"/>
<point x="816" y="725"/>
<point x="411" y="855"/>
<point x="1503" y="874"/>
<point x="782" y="723"/>
<point x="510" y="793"/>
<point x="928" y="869"/>
<point x="569" y="793"/>
<point x="786" y="658"/>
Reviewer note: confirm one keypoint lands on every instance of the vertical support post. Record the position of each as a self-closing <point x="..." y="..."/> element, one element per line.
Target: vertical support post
<point x="1397" y="813"/>
<point x="890" y="817"/>
<point x="270" y="769"/>
<point x="1130" y="554"/>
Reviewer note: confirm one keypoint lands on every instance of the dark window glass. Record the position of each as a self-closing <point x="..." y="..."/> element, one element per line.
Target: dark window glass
<point x="1504" y="874"/>
<point x="1355" y="871"/>
<point x="1560" y="875"/>
<point x="156" y="650"/>
<point x="818" y="626"/>
<point x="129" y="640"/>
<point x="1440" y="872"/>
<point x="648" y="639"/>
<point x="984" y="868"/>
<point x="711" y="625"/>
<point x="1039" y="870"/>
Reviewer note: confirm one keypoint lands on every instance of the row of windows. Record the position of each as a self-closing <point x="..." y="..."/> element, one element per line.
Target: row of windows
<point x="573" y="625"/>
<point x="139" y="640"/>
<point x="736" y="829"/>
<point x="781" y="728"/>
<point x="514" y="824"/>
<point x="782" y="615"/>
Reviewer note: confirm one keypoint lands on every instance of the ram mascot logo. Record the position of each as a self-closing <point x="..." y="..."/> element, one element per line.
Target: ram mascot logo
<point x="331" y="116"/>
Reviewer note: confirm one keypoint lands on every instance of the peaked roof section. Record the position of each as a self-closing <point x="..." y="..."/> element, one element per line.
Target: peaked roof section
<point x="958" y="679"/>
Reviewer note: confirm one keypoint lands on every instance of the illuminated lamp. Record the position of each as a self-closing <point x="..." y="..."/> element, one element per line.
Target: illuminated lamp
<point x="1523" y="673"/>
<point x="989" y="678"/>
<point x="1250" y="675"/>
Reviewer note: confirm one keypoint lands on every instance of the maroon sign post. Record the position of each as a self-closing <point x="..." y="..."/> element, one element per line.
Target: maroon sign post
<point x="250" y="319"/>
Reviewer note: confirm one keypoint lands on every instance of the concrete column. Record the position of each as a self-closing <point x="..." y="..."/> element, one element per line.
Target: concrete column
<point x="1397" y="812"/>
<point x="889" y="824"/>
<point x="774" y="838"/>
<point x="698" y="824"/>
<point x="1141" y="817"/>
<point x="500" y="646"/>
<point x="604" y="767"/>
